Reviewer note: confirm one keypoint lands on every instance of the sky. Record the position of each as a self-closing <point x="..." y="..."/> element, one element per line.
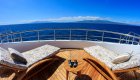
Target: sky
<point x="24" y="11"/>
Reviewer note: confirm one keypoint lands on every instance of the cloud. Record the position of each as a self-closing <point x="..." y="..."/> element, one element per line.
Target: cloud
<point x="70" y="19"/>
<point x="134" y="22"/>
<point x="76" y="18"/>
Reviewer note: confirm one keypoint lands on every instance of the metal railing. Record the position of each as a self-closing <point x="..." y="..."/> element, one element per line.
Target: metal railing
<point x="70" y="34"/>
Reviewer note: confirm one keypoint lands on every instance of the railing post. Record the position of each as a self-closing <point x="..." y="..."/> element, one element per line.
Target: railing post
<point x="38" y="37"/>
<point x="133" y="40"/>
<point x="86" y="34"/>
<point x="20" y="37"/>
<point x="70" y="35"/>
<point x="0" y="38"/>
<point x="103" y="36"/>
<point x="120" y="39"/>
<point x="12" y="37"/>
<point x="7" y="37"/>
<point x="128" y="40"/>
<point x="1" y="41"/>
<point x="54" y="34"/>
<point x="139" y="41"/>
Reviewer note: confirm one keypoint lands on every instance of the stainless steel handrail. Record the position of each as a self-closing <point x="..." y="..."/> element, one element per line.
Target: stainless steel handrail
<point x="86" y="36"/>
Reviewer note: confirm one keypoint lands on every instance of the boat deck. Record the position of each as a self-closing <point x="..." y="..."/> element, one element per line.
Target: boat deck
<point x="56" y="70"/>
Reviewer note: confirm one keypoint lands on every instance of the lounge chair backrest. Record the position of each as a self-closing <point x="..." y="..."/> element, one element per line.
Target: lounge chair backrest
<point x="6" y="60"/>
<point x="17" y="56"/>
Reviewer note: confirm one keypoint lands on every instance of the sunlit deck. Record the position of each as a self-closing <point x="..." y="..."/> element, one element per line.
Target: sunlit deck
<point x="56" y="70"/>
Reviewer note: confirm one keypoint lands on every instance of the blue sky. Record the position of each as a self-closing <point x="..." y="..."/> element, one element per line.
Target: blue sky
<point x="22" y="11"/>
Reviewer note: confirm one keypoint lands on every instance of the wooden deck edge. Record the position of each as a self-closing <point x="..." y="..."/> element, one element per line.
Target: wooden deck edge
<point x="111" y="75"/>
<point x="25" y="73"/>
<point x="126" y="70"/>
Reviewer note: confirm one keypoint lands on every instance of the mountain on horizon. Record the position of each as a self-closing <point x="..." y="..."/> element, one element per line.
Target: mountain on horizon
<point x="101" y="22"/>
<point x="80" y="21"/>
<point x="86" y="21"/>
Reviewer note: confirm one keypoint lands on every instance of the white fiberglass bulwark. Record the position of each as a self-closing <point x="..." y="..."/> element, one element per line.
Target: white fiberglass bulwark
<point x="116" y="47"/>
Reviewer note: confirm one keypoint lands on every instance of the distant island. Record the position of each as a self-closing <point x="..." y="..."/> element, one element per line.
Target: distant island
<point x="85" y="21"/>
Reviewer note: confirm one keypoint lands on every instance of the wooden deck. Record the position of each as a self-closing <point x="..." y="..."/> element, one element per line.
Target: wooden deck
<point x="56" y="70"/>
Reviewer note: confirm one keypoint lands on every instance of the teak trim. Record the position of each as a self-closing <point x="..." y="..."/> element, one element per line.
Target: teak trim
<point x="24" y="73"/>
<point x="109" y="75"/>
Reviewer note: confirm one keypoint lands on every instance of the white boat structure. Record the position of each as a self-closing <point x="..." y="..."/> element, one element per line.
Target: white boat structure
<point x="70" y="54"/>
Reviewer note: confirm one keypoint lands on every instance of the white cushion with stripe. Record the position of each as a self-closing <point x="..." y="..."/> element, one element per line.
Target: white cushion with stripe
<point x="104" y="55"/>
<point x="32" y="56"/>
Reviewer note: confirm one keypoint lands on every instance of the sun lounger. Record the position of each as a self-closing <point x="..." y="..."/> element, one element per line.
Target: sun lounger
<point x="34" y="57"/>
<point x="107" y="56"/>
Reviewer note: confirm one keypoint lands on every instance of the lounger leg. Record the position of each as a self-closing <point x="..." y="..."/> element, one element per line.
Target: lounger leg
<point x="135" y="74"/>
<point x="67" y="75"/>
<point x="20" y="75"/>
<point x="79" y="73"/>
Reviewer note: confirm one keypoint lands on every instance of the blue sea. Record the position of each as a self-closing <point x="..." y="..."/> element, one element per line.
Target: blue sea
<point x="122" y="28"/>
<point x="33" y="26"/>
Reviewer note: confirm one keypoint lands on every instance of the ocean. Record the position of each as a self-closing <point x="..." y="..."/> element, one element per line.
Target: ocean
<point x="110" y="27"/>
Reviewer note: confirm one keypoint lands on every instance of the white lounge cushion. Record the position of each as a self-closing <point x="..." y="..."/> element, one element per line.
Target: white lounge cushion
<point x="134" y="61"/>
<point x="17" y="56"/>
<point x="32" y="56"/>
<point x="121" y="58"/>
<point x="5" y="59"/>
<point x="39" y="53"/>
<point x="104" y="55"/>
